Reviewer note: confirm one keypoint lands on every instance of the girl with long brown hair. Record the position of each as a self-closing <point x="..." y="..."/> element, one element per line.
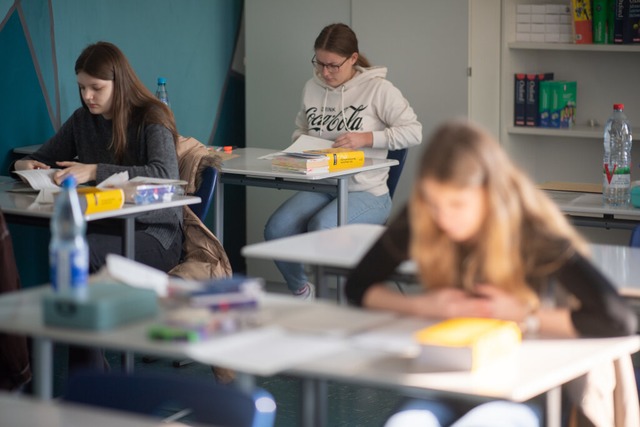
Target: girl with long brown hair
<point x="488" y="243"/>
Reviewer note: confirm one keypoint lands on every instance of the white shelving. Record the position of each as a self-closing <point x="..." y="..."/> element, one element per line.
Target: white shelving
<point x="605" y="74"/>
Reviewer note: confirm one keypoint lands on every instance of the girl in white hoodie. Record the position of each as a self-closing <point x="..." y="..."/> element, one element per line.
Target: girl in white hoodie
<point x="351" y="103"/>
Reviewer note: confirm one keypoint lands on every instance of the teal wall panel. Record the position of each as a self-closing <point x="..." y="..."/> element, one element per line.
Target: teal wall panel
<point x="38" y="29"/>
<point x="25" y="119"/>
<point x="189" y="42"/>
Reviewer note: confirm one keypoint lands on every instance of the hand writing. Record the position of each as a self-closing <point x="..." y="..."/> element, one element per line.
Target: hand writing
<point x="354" y="140"/>
<point x="82" y="172"/>
<point x="450" y="302"/>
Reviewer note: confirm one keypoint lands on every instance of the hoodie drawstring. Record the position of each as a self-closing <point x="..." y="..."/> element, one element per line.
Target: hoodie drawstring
<point x="324" y="105"/>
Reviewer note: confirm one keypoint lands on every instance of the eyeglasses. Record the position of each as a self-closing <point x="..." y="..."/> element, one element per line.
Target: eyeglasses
<point x="333" y="68"/>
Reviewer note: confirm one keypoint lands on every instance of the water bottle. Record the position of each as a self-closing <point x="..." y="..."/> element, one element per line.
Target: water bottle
<point x="68" y="249"/>
<point x="161" y="91"/>
<point x="617" y="159"/>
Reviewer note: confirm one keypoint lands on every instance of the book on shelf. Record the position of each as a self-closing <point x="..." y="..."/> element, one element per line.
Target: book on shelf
<point x="531" y="110"/>
<point x="582" y="18"/>
<point x="341" y="158"/>
<point x="520" y="99"/>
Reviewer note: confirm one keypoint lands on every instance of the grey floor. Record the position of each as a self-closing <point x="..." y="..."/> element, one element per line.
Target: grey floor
<point x="349" y="405"/>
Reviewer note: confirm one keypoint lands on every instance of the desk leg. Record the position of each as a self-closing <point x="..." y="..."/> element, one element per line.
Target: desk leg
<point x="129" y="241"/>
<point x="43" y="368"/>
<point x="314" y="406"/>
<point x="218" y="223"/>
<point x="554" y="407"/>
<point x="343" y="196"/>
<point x="322" y="289"/>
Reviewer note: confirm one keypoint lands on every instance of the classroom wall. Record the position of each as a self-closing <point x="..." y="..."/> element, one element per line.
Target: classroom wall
<point x="189" y="42"/>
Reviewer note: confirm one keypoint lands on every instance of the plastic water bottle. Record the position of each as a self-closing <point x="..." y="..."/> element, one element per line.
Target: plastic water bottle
<point x="68" y="249"/>
<point x="161" y="91"/>
<point x="617" y="159"/>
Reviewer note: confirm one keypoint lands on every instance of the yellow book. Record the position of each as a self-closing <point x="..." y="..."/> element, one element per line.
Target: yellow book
<point x="466" y="344"/>
<point x="341" y="158"/>
<point x="93" y="199"/>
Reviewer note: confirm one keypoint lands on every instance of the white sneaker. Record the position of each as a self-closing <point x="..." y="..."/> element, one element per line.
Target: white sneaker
<point x="308" y="292"/>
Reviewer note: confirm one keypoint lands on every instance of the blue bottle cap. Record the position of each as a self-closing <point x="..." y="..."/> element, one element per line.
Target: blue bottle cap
<point x="162" y="80"/>
<point x="69" y="182"/>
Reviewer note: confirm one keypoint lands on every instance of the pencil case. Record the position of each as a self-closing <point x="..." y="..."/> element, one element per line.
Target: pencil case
<point x="107" y="306"/>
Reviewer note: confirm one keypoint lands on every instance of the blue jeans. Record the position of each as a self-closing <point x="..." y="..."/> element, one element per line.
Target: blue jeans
<point x="307" y="211"/>
<point x="432" y="413"/>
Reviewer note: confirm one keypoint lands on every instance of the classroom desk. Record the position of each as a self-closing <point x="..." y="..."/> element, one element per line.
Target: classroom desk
<point x="23" y="411"/>
<point x="20" y="208"/>
<point x="338" y="250"/>
<point x="247" y="169"/>
<point x="586" y="209"/>
<point x="320" y="341"/>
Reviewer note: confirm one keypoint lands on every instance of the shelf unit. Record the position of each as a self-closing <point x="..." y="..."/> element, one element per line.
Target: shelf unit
<point x="606" y="74"/>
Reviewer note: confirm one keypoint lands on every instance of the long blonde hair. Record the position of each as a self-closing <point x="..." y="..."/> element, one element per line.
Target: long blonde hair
<point x="524" y="236"/>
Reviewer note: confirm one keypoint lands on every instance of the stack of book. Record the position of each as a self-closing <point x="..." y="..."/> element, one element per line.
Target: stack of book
<point x="318" y="161"/>
<point x="304" y="163"/>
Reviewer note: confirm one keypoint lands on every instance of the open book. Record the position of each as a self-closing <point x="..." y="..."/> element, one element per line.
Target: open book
<point x="39" y="179"/>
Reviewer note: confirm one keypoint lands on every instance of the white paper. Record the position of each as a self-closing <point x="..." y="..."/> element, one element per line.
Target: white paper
<point x="116" y="180"/>
<point x="303" y="143"/>
<point x="136" y="274"/>
<point x="279" y="350"/>
<point x="39" y="178"/>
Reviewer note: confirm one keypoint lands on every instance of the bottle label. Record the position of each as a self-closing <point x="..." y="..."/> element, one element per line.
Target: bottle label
<point x="69" y="269"/>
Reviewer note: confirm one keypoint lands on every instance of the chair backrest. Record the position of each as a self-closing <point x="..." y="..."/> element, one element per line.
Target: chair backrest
<point x="209" y="178"/>
<point x="634" y="240"/>
<point x="198" y="400"/>
<point x="395" y="171"/>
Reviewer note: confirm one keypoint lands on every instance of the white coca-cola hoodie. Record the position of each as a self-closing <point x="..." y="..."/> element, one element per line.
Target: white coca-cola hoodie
<point x="368" y="102"/>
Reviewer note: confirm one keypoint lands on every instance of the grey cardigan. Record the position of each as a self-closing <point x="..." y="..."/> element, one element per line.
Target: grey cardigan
<point x="150" y="152"/>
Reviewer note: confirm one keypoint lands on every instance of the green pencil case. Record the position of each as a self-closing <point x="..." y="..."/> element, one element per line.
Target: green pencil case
<point x="107" y="305"/>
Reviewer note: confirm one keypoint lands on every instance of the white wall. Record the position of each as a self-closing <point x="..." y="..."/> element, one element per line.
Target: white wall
<point x="424" y="43"/>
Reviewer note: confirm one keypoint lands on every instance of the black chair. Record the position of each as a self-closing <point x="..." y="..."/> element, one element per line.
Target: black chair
<point x="395" y="171"/>
<point x="173" y="398"/>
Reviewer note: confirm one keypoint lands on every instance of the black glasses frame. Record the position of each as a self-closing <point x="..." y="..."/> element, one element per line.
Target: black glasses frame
<point x="333" y="68"/>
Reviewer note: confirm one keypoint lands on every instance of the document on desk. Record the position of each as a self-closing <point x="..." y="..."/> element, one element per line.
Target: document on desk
<point x="264" y="351"/>
<point x="39" y="179"/>
<point x="303" y="143"/>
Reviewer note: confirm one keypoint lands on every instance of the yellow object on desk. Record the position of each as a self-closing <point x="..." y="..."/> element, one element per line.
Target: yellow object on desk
<point x="93" y="199"/>
<point x="341" y="158"/>
<point x="466" y="344"/>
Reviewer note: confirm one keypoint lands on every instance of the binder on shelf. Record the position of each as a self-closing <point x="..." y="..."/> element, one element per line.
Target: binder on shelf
<point x="600" y="14"/>
<point x="544" y="107"/>
<point x="563" y="104"/>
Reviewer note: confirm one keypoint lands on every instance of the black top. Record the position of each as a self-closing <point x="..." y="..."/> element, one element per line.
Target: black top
<point x="601" y="312"/>
<point x="151" y="152"/>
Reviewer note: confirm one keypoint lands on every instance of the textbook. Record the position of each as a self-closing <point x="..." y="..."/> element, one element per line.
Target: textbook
<point x="93" y="199"/>
<point x="341" y="158"/>
<point x="466" y="344"/>
<point x="301" y="163"/>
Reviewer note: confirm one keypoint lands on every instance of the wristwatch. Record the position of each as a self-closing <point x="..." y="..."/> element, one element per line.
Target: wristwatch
<point x="531" y="324"/>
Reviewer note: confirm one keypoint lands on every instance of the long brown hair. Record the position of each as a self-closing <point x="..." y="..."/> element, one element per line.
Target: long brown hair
<point x="341" y="40"/>
<point x="524" y="236"/>
<point x="131" y="97"/>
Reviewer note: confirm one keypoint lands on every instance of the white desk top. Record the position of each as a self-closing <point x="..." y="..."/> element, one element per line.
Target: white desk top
<point x="23" y="411"/>
<point x="24" y="203"/>
<point x="343" y="248"/>
<point x="571" y="202"/>
<point x="319" y="339"/>
<point x="248" y="163"/>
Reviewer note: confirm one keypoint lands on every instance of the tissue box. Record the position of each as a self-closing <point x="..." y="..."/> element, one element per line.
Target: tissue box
<point x="107" y="306"/>
<point x="466" y="344"/>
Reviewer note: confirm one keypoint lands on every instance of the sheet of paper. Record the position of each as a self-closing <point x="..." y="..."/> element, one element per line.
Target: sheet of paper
<point x="39" y="178"/>
<point x="158" y="181"/>
<point x="136" y="274"/>
<point x="116" y="180"/>
<point x="303" y="143"/>
<point x="279" y="350"/>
